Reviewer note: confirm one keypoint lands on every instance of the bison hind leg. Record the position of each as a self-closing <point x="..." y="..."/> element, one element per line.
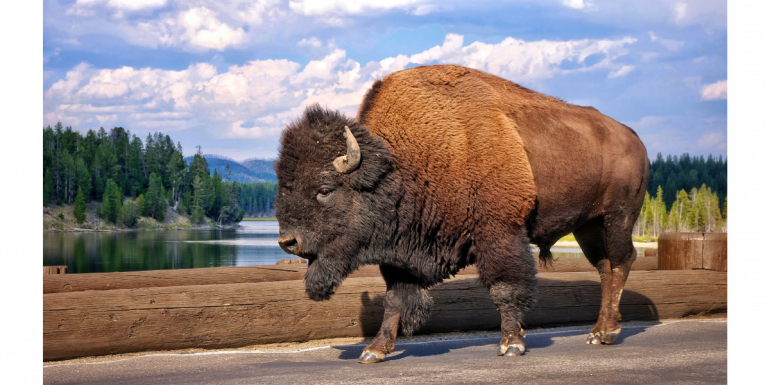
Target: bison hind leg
<point x="507" y="268"/>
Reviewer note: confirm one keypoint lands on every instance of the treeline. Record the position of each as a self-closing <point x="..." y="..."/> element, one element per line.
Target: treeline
<point x="699" y="211"/>
<point x="108" y="166"/>
<point x="685" y="173"/>
<point x="684" y="194"/>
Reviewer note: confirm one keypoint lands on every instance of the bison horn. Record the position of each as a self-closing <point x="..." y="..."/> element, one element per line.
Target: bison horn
<point x="350" y="161"/>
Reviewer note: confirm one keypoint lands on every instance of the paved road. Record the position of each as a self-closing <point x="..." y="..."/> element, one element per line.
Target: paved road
<point x="692" y="351"/>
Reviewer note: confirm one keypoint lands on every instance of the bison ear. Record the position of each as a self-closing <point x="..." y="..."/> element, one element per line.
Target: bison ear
<point x="347" y="163"/>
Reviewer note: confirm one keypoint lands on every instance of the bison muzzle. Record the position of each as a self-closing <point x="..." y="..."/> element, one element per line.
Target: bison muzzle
<point x="444" y="167"/>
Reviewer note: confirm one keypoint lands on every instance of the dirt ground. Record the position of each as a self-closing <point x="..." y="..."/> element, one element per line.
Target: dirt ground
<point x="53" y="222"/>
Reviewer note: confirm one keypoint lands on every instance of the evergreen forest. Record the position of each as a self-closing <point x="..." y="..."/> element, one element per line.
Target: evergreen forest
<point x="128" y="178"/>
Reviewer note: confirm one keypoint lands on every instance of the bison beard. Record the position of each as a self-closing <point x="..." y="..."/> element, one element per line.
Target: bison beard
<point x="446" y="167"/>
<point x="323" y="277"/>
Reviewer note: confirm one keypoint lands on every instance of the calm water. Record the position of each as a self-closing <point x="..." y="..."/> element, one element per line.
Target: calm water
<point x="254" y="243"/>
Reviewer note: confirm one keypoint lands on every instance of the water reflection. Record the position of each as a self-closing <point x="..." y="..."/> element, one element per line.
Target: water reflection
<point x="255" y="243"/>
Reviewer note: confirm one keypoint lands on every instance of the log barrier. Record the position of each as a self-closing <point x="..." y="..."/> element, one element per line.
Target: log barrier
<point x="229" y="315"/>
<point x="687" y="251"/>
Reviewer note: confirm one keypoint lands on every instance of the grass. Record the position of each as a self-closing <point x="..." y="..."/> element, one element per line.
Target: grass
<point x="259" y="219"/>
<point x="568" y="237"/>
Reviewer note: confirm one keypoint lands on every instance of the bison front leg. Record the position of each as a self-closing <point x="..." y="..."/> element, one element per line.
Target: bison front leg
<point x="406" y="304"/>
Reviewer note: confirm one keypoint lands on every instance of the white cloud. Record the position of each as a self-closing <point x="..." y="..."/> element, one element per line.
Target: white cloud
<point x="622" y="71"/>
<point x="258" y="98"/>
<point x="714" y="139"/>
<point x="576" y="4"/>
<point x="680" y="11"/>
<point x="647" y="122"/>
<point x="714" y="91"/>
<point x="348" y="7"/>
<point x="197" y="26"/>
<point x="135" y="5"/>
<point x="671" y="45"/>
<point x="514" y="59"/>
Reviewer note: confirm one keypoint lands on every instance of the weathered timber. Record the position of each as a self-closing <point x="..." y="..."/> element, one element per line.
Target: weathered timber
<point x="164" y="278"/>
<point x="687" y="251"/>
<point x="232" y="315"/>
<point x="55" y="269"/>
<point x="250" y="274"/>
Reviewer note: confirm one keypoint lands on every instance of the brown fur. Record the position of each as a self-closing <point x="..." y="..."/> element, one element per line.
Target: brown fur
<point x="474" y="166"/>
<point x="490" y="147"/>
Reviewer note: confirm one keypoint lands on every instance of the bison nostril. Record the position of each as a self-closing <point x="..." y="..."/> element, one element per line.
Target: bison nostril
<point x="288" y="245"/>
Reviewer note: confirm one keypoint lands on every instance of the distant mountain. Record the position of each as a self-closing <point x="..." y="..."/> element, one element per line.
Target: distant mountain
<point x="248" y="171"/>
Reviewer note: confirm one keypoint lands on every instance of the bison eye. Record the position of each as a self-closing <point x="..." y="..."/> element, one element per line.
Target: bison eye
<point x="324" y="192"/>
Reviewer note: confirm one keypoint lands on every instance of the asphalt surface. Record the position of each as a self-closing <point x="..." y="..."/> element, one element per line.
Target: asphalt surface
<point x="683" y="351"/>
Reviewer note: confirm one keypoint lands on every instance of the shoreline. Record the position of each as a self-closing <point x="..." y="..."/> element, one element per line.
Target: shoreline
<point x="79" y="230"/>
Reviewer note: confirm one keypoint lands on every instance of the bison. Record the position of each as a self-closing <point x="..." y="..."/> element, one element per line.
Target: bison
<point x="444" y="167"/>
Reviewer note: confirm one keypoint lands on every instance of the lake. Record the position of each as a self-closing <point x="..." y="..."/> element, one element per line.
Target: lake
<point x="254" y="243"/>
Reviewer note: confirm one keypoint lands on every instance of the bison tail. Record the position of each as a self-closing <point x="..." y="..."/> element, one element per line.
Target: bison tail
<point x="546" y="258"/>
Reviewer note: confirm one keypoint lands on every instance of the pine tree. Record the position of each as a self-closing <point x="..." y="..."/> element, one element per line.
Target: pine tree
<point x="141" y="206"/>
<point x="111" y="202"/>
<point x="83" y="177"/>
<point x="80" y="206"/>
<point x="129" y="214"/>
<point x="724" y="209"/>
<point x="198" y="196"/>
<point x="48" y="188"/>
<point x="156" y="202"/>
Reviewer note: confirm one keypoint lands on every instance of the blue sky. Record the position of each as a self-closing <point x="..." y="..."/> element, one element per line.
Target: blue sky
<point x="229" y="75"/>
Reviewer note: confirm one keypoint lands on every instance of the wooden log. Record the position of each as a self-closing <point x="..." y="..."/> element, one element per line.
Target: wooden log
<point x="55" y="269"/>
<point x="232" y="315"/>
<point x="687" y="251"/>
<point x="165" y="278"/>
<point x="251" y="274"/>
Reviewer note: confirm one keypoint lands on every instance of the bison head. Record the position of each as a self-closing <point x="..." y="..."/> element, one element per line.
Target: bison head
<point x="334" y="191"/>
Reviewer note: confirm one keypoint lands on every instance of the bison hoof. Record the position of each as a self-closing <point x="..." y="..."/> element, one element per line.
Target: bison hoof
<point x="368" y="357"/>
<point x="511" y="350"/>
<point x="601" y="337"/>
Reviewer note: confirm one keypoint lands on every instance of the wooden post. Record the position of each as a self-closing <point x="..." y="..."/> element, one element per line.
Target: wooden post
<point x="688" y="251"/>
<point x="54" y="269"/>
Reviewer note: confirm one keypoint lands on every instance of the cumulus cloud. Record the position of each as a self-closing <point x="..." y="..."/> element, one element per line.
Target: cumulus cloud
<point x="576" y="4"/>
<point x="713" y="140"/>
<point x="515" y="59"/>
<point x="714" y="91"/>
<point x="647" y="122"/>
<point x="257" y="99"/>
<point x="620" y="72"/>
<point x="349" y="7"/>
<point x="671" y="45"/>
<point x="197" y="25"/>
